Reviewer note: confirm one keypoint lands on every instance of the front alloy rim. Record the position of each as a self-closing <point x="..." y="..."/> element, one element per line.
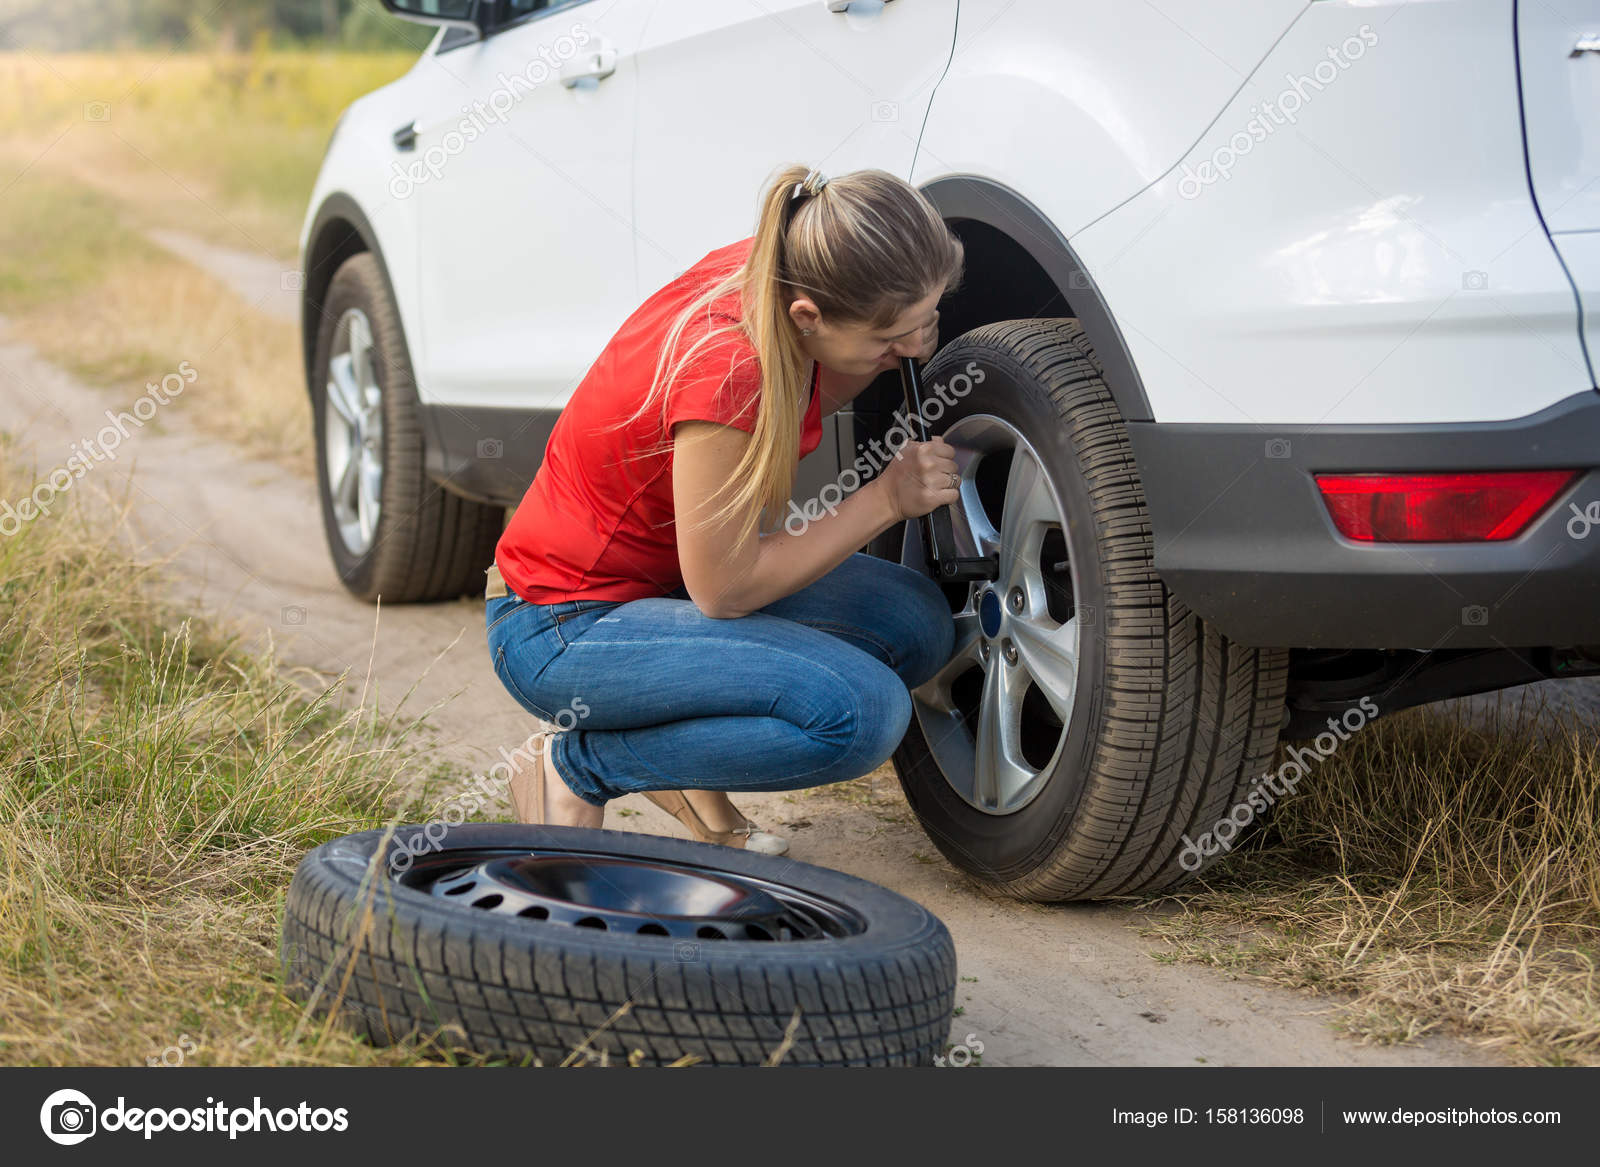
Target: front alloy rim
<point x="631" y="896"/>
<point x="353" y="429"/>
<point x="996" y="716"/>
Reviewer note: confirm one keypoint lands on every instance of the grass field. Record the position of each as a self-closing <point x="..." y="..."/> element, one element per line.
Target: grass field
<point x="97" y="149"/>
<point x="226" y="146"/>
<point x="1446" y="875"/>
<point x="158" y="784"/>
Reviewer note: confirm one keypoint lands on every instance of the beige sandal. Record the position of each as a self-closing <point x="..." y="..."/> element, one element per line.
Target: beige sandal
<point x="748" y="837"/>
<point x="527" y="781"/>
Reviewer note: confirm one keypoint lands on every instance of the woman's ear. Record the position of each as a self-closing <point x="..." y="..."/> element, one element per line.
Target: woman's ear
<point x="804" y="314"/>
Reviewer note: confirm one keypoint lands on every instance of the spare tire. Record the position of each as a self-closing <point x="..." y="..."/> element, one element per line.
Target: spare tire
<point x="557" y="944"/>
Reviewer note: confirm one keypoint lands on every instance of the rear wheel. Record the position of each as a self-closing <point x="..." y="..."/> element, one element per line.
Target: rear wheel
<point x="1088" y="720"/>
<point x="392" y="531"/>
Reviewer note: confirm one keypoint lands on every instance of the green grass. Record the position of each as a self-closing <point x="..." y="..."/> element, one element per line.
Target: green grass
<point x="158" y="784"/>
<point x="58" y="238"/>
<point x="81" y="283"/>
<point x="225" y="144"/>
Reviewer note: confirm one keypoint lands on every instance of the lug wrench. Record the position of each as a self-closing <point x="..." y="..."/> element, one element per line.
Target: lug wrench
<point x="938" y="534"/>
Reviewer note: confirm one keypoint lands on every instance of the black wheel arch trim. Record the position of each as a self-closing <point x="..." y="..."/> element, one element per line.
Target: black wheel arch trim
<point x="971" y="196"/>
<point x="341" y="229"/>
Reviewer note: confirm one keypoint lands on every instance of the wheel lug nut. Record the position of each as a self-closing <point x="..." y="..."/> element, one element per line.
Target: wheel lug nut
<point x="1009" y="650"/>
<point x="1015" y="599"/>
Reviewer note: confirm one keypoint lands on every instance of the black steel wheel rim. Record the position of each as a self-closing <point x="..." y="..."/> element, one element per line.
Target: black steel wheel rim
<point x="630" y="895"/>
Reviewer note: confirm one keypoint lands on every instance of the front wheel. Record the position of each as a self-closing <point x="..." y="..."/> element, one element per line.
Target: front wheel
<point x="392" y="531"/>
<point x="1089" y="723"/>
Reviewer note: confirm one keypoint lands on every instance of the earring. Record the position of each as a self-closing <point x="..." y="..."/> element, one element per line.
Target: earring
<point x="805" y="332"/>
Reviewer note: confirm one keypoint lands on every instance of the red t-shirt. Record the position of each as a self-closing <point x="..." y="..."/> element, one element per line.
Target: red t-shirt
<point x="595" y="527"/>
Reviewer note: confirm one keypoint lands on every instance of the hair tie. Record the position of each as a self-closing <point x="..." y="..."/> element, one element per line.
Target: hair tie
<point x="812" y="183"/>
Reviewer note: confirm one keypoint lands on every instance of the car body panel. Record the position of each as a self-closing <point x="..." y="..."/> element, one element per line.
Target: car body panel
<point x="1580" y="252"/>
<point x="357" y="168"/>
<point x="1561" y="102"/>
<point x="1558" y="54"/>
<point x="1365" y="284"/>
<point x="729" y="92"/>
<point x="1080" y="105"/>
<point x="1337" y="275"/>
<point x="529" y="191"/>
<point x="1243" y="535"/>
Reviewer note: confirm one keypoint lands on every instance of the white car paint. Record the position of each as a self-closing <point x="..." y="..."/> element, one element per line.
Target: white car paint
<point x="1078" y="104"/>
<point x="1558" y="42"/>
<point x="1559" y="46"/>
<point x="731" y="91"/>
<point x="1379" y="260"/>
<point x="526" y="259"/>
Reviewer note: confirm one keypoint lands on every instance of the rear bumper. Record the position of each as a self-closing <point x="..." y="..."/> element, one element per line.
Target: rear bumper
<point x="1243" y="537"/>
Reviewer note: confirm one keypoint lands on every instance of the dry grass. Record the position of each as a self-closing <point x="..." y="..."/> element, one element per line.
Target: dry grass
<point x="157" y="789"/>
<point x="223" y="144"/>
<point x="1444" y="874"/>
<point x="85" y="288"/>
<point x="145" y="318"/>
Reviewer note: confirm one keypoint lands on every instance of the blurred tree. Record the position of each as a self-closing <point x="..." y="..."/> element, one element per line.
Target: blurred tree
<point x="368" y="26"/>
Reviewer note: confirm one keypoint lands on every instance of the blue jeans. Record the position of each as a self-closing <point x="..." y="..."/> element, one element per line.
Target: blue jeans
<point x="655" y="695"/>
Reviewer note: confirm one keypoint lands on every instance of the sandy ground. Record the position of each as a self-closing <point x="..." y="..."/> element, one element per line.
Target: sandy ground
<point x="1070" y="984"/>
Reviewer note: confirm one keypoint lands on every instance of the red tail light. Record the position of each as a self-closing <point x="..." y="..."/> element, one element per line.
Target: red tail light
<point x="1439" y="508"/>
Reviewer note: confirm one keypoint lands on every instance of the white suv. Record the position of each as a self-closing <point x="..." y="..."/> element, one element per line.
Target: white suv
<point x="1286" y="311"/>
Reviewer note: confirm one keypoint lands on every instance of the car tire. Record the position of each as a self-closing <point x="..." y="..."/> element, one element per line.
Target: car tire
<point x="1160" y="725"/>
<point x="435" y="930"/>
<point x="392" y="531"/>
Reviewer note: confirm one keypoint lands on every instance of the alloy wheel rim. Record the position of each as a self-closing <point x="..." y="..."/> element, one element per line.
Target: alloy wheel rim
<point x="353" y="429"/>
<point x="996" y="716"/>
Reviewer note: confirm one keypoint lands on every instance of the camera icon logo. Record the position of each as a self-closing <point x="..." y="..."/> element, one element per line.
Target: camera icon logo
<point x="1474" y="281"/>
<point x="686" y="951"/>
<point x="292" y="281"/>
<point x="491" y="448"/>
<point x="885" y="111"/>
<point x="1475" y="615"/>
<point x="67" y="1117"/>
<point x="1279" y="448"/>
<point x="97" y="111"/>
<point x="293" y="615"/>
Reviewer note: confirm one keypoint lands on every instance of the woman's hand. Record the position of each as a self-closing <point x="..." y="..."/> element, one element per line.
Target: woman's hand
<point x="917" y="478"/>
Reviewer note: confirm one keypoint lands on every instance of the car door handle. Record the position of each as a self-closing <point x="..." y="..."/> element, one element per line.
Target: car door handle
<point x="841" y="5"/>
<point x="596" y="63"/>
<point x="405" y="138"/>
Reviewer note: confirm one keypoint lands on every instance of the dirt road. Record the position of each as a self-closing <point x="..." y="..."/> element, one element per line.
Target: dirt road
<point x="1065" y="985"/>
